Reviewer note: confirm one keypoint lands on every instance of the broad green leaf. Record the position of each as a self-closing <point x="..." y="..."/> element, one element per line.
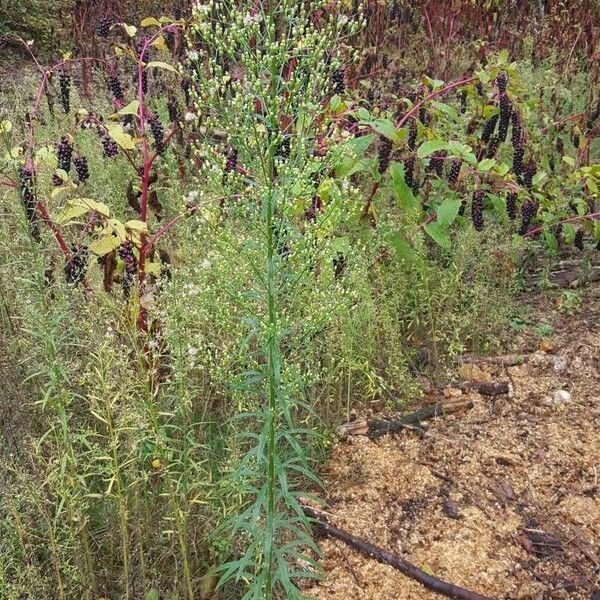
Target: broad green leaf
<point x="5" y="127"/>
<point x="429" y="148"/>
<point x="569" y="160"/>
<point x="597" y="231"/>
<point x="384" y="127"/>
<point x="486" y="164"/>
<point x="402" y="247"/>
<point x="130" y="29"/>
<point x="363" y="114"/>
<point x="569" y="233"/>
<point x="447" y="211"/>
<point x="158" y="64"/>
<point x="89" y="204"/>
<point x="439" y="234"/>
<point x="503" y="57"/>
<point x="403" y="192"/>
<point x="153" y="595"/>
<point x="551" y="242"/>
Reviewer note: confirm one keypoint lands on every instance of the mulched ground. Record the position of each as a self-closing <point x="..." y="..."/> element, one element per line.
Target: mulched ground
<point x="503" y="499"/>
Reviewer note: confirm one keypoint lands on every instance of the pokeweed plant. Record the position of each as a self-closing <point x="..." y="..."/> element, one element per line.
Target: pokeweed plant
<point x="262" y="77"/>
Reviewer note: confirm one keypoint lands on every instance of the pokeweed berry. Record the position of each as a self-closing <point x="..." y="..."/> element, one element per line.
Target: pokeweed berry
<point x="77" y="264"/>
<point x="409" y="171"/>
<point x="518" y="155"/>
<point x="579" y="235"/>
<point x="103" y="27"/>
<point x="412" y="135"/>
<point x="338" y="81"/>
<point x="129" y="259"/>
<point x="454" y="171"/>
<point x="560" y="146"/>
<point x="64" y="153"/>
<point x="493" y="146"/>
<point x="489" y="128"/>
<point x="65" y="91"/>
<point x="528" y="212"/>
<point x="505" y="115"/>
<point x="517" y="130"/>
<point x="576" y="139"/>
<point x="385" y="152"/>
<point x="463" y="102"/>
<point x="145" y="82"/>
<point x="477" y="206"/>
<point x="230" y="164"/>
<point x="109" y="147"/>
<point x="158" y="133"/>
<point x="501" y="82"/>
<point x="81" y="168"/>
<point x="529" y="172"/>
<point x="173" y="109"/>
<point x="57" y="180"/>
<point x="114" y="85"/>
<point x="424" y="116"/>
<point x="511" y="205"/>
<point x="339" y="265"/>
<point x="436" y="164"/>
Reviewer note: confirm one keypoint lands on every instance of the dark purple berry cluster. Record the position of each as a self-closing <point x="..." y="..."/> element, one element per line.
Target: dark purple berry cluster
<point x="338" y="81"/>
<point x="409" y="171"/>
<point x="477" y="206"/>
<point x="505" y="115"/>
<point x="511" y="205"/>
<point x="518" y="155"/>
<point x="489" y="128"/>
<point x="114" y="85"/>
<point x="502" y="82"/>
<point x="81" y="168"/>
<point x="529" y="172"/>
<point x="454" y="171"/>
<point x="65" y="91"/>
<point x="436" y="164"/>
<point x="103" y="27"/>
<point x="28" y="199"/>
<point x="528" y="213"/>
<point x="64" y="153"/>
<point x="579" y="236"/>
<point x="173" y="109"/>
<point x="385" y="152"/>
<point x="77" y="264"/>
<point x="109" y="147"/>
<point x="412" y="135"/>
<point x="127" y="255"/>
<point x="158" y="133"/>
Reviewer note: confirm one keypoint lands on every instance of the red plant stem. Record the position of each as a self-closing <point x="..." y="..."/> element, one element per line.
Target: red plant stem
<point x="9" y="183"/>
<point x="41" y="208"/>
<point x="595" y="215"/>
<point x="434" y="94"/>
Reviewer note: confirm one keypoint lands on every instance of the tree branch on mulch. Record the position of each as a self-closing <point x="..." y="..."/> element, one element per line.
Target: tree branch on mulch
<point x="488" y="388"/>
<point x="511" y="360"/>
<point x="364" y="547"/>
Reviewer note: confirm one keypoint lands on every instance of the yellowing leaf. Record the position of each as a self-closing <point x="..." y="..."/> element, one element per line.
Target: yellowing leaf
<point x="160" y="43"/>
<point x="123" y="139"/>
<point x="149" y="21"/>
<point x="73" y="212"/>
<point x="89" y="204"/>
<point x="118" y="228"/>
<point x="105" y="245"/>
<point x="67" y="55"/>
<point x="157" y="64"/>
<point x="130" y="109"/>
<point x="5" y="127"/>
<point x="135" y="225"/>
<point x="153" y="268"/>
<point x="130" y="29"/>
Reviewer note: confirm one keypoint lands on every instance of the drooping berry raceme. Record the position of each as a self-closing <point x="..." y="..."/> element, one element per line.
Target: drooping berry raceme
<point x="81" y="168"/>
<point x="29" y="200"/>
<point x="412" y="135"/>
<point x="64" y="153"/>
<point x="158" y="133"/>
<point x="528" y="212"/>
<point x="454" y="171"/>
<point x="505" y="115"/>
<point x="173" y="109"/>
<point x="114" y="85"/>
<point x="518" y="155"/>
<point x="230" y="164"/>
<point x="339" y="265"/>
<point x="409" y="171"/>
<point x="493" y="146"/>
<point x="501" y="82"/>
<point x="579" y="236"/>
<point x="65" y="91"/>
<point x="436" y="164"/>
<point x="385" y="152"/>
<point x="129" y="259"/>
<point x="145" y="81"/>
<point x="109" y="147"/>
<point x="576" y="139"/>
<point x="517" y="130"/>
<point x="77" y="264"/>
<point x="477" y="206"/>
<point x="511" y="205"/>
<point x="103" y="27"/>
<point x="529" y="172"/>
<point x="463" y="102"/>
<point x="338" y="81"/>
<point x="489" y="128"/>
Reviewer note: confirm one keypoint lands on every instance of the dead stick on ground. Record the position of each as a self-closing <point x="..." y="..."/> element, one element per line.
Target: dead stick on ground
<point x="507" y="361"/>
<point x="433" y="583"/>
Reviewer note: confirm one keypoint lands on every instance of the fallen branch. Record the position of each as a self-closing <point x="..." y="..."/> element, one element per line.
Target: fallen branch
<point x="510" y="360"/>
<point x="489" y="388"/>
<point x="378" y="427"/>
<point x="387" y="558"/>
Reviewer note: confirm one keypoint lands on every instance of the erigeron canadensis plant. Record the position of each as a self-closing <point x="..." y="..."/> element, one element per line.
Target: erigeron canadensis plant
<point x="262" y="80"/>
